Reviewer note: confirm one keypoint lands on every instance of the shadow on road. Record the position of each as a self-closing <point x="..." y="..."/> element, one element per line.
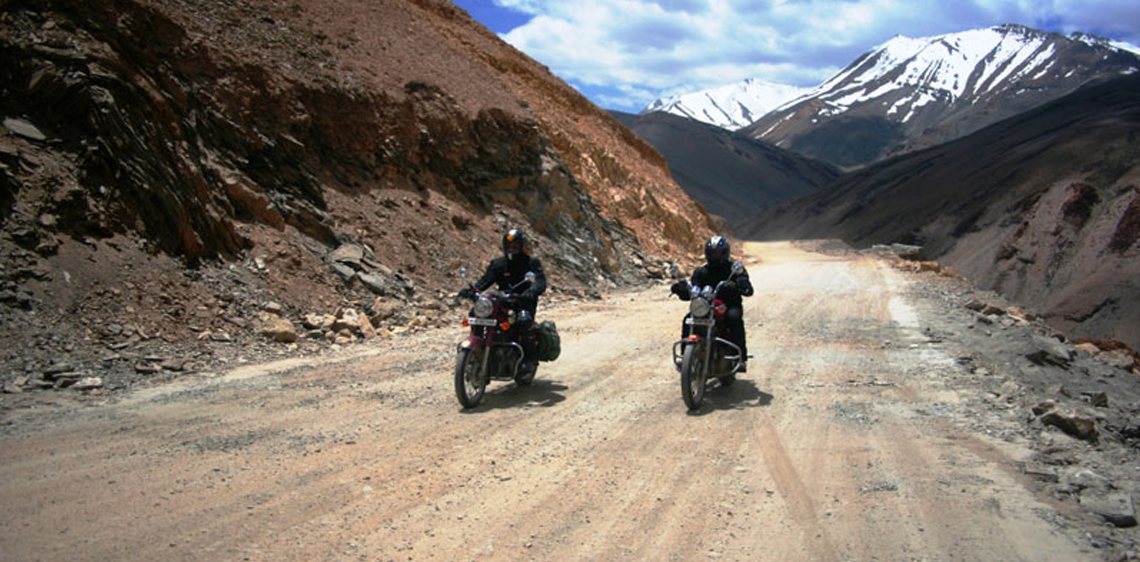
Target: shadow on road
<point x="743" y="394"/>
<point x="541" y="393"/>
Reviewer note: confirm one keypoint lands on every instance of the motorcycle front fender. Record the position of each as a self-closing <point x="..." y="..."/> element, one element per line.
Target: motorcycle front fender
<point x="473" y="342"/>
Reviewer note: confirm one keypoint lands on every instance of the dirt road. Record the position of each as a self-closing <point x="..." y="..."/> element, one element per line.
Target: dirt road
<point x="844" y="441"/>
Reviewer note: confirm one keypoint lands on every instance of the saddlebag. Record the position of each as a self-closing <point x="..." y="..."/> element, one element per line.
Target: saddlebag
<point x="549" y="343"/>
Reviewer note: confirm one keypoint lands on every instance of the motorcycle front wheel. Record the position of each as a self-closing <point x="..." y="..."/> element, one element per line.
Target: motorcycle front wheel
<point x="693" y="375"/>
<point x="469" y="382"/>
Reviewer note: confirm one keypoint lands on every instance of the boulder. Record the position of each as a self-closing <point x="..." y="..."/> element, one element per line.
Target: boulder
<point x="346" y="319"/>
<point x="374" y="282"/>
<point x="1087" y="347"/>
<point x="343" y="271"/>
<point x="382" y="309"/>
<point x="24" y="129"/>
<point x="1115" y="507"/>
<point x="1043" y="407"/>
<point x="314" y="321"/>
<point x="351" y="255"/>
<point x="1078" y="480"/>
<point x="1049" y="351"/>
<point x="277" y="328"/>
<point x="1072" y="424"/>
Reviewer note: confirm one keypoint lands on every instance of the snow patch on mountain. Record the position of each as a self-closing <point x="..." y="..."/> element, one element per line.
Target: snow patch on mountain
<point x="972" y="66"/>
<point x="730" y="107"/>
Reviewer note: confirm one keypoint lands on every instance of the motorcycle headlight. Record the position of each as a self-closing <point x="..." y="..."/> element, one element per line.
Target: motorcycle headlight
<point x="699" y="308"/>
<point x="483" y="307"/>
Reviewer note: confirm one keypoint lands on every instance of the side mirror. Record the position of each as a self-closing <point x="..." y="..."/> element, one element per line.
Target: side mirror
<point x="530" y="276"/>
<point x="737" y="268"/>
<point x="463" y="272"/>
<point x="674" y="271"/>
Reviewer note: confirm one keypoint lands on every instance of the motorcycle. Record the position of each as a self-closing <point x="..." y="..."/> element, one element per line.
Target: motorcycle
<point x="493" y="350"/>
<point x="707" y="352"/>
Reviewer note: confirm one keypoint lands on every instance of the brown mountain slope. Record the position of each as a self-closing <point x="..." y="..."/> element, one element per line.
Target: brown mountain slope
<point x="250" y="139"/>
<point x="733" y="176"/>
<point x="1042" y="207"/>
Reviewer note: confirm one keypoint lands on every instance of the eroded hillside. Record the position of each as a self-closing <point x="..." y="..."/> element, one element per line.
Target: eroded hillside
<point x="179" y="170"/>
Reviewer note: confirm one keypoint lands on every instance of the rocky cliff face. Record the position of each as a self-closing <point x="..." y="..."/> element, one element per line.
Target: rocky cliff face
<point x="266" y="134"/>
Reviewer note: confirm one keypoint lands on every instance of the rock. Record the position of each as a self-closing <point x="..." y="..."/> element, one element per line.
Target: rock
<point x="24" y="129"/>
<point x="1050" y="352"/>
<point x="174" y="365"/>
<point x="273" y="308"/>
<point x="346" y="319"/>
<point x="1043" y="407"/>
<point x="277" y="328"/>
<point x="993" y="310"/>
<point x="382" y="309"/>
<point x="1061" y="390"/>
<point x="907" y="252"/>
<point x="1041" y="472"/>
<point x="57" y="368"/>
<point x="1072" y="424"/>
<point x="1097" y="399"/>
<point x="365" y="328"/>
<point x="343" y="271"/>
<point x="1080" y="479"/>
<point x="1087" y="347"/>
<point x="314" y="321"/>
<point x="12" y="388"/>
<point x="351" y="255"/>
<point x="374" y="282"/>
<point x="1117" y="358"/>
<point x="221" y="337"/>
<point x="1116" y="508"/>
<point x="147" y="368"/>
<point x="88" y="383"/>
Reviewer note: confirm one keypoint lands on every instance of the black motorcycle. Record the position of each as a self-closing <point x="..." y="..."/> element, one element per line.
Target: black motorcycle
<point x="707" y="352"/>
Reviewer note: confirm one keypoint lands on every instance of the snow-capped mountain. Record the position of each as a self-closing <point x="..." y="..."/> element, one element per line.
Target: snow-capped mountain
<point x="730" y="107"/>
<point x="911" y="93"/>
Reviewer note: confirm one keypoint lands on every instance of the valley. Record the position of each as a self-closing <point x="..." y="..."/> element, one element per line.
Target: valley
<point x="880" y="419"/>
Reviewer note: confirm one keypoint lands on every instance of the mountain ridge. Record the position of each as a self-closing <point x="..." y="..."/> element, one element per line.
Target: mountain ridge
<point x="907" y="94"/>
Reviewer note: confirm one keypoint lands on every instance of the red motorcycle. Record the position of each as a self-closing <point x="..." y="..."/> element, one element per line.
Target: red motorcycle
<point x="493" y="350"/>
<point x="707" y="352"/>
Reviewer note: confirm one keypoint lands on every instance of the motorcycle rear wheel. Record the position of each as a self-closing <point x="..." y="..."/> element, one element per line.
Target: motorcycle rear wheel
<point x="469" y="382"/>
<point x="525" y="376"/>
<point x="693" y="375"/>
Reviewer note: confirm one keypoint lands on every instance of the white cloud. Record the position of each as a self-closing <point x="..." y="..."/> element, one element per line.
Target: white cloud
<point x="637" y="50"/>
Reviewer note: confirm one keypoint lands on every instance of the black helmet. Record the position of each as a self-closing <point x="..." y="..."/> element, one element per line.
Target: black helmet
<point x="716" y="250"/>
<point x="514" y="243"/>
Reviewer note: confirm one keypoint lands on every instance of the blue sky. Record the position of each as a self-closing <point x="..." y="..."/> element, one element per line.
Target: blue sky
<point x="623" y="54"/>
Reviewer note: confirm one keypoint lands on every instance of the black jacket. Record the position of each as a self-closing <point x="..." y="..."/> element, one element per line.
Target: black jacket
<point x="710" y="275"/>
<point x="506" y="273"/>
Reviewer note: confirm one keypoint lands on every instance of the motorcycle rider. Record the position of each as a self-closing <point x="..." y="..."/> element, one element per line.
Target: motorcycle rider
<point x="508" y="271"/>
<point x="717" y="268"/>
